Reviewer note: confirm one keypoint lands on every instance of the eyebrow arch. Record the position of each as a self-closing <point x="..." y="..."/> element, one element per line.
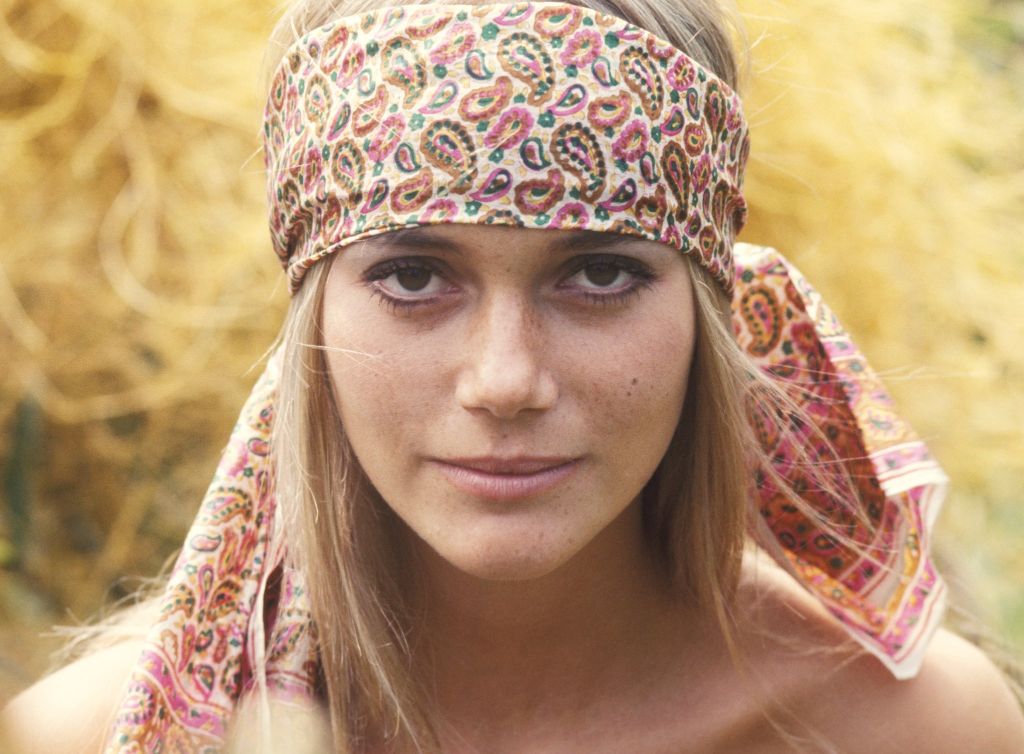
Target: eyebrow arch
<point x="420" y="238"/>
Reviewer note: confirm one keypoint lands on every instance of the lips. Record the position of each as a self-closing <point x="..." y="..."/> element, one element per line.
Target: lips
<point x="506" y="478"/>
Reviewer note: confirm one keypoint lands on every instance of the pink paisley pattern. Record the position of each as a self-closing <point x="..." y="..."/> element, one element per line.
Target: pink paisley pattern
<point x="886" y="592"/>
<point x="201" y="654"/>
<point x="566" y="100"/>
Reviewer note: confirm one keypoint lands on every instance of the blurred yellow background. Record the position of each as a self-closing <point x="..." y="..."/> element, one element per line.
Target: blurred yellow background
<point x="137" y="284"/>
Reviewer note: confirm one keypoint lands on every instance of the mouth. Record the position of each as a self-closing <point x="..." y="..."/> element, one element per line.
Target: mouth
<point x="506" y="478"/>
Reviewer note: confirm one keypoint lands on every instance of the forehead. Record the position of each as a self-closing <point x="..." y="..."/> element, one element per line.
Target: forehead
<point x="465" y="237"/>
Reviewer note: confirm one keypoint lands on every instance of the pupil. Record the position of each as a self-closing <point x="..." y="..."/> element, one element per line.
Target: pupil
<point x="413" y="278"/>
<point x="601" y="274"/>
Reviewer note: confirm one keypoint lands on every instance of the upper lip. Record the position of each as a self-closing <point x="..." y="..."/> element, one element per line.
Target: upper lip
<point x="509" y="464"/>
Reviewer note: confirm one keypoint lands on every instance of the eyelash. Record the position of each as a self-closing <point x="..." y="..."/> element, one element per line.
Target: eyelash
<point x="642" y="275"/>
<point x="387" y="269"/>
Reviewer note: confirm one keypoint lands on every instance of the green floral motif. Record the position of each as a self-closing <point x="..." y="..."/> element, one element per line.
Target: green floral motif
<point x="490" y="31"/>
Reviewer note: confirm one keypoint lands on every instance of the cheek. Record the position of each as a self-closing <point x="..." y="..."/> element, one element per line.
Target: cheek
<point x="635" y="380"/>
<point x="387" y="384"/>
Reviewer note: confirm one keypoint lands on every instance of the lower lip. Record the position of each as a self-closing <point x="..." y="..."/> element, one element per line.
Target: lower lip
<point x="505" y="486"/>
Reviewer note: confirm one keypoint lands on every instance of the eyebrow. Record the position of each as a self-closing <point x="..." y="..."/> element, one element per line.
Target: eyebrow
<point x="421" y="238"/>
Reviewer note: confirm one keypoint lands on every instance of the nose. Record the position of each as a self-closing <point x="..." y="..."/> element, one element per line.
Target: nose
<point x="505" y="371"/>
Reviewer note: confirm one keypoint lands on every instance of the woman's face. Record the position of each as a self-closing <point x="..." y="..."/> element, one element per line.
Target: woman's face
<point x="508" y="391"/>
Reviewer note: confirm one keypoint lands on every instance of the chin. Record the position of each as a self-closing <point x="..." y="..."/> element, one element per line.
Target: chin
<point x="509" y="569"/>
<point x="509" y="561"/>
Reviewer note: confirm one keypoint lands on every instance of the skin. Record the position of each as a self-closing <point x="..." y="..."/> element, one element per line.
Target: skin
<point x="508" y="353"/>
<point x="546" y="626"/>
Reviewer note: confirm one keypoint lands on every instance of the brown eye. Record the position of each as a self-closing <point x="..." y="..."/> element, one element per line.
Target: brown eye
<point x="408" y="279"/>
<point x="601" y="274"/>
<point x="606" y="278"/>
<point x="413" y="278"/>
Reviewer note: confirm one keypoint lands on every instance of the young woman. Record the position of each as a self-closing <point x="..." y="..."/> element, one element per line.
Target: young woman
<point x="544" y="460"/>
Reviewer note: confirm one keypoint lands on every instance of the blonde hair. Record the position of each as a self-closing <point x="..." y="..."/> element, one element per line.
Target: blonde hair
<point x="698" y="507"/>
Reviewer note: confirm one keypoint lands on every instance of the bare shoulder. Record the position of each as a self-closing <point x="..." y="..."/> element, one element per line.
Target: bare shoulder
<point x="958" y="702"/>
<point x="959" y="683"/>
<point x="69" y="710"/>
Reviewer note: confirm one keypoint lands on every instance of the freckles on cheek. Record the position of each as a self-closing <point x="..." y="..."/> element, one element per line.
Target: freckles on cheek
<point x="636" y="401"/>
<point x="387" y="385"/>
<point x="646" y="388"/>
<point x="635" y="373"/>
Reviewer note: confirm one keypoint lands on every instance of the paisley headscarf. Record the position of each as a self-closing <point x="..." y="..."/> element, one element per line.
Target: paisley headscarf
<point x="533" y="115"/>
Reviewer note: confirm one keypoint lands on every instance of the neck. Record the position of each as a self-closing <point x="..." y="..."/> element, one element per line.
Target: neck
<point x="549" y="645"/>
